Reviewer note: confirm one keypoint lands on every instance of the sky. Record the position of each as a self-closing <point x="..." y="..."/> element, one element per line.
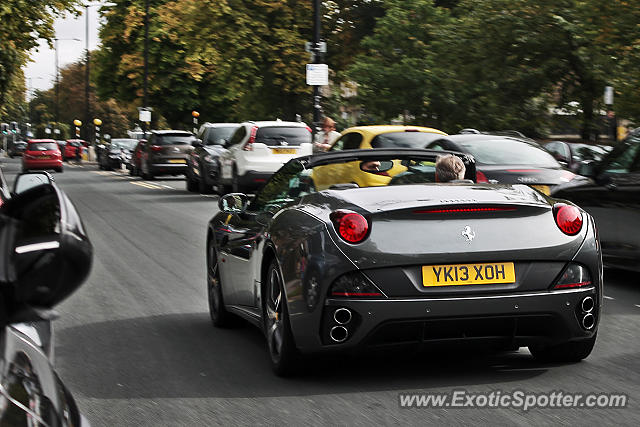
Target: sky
<point x="42" y="68"/>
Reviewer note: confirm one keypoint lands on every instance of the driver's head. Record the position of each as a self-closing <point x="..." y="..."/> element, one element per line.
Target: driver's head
<point x="373" y="166"/>
<point x="449" y="168"/>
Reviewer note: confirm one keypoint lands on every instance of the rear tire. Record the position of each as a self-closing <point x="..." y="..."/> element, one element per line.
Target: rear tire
<point x="192" y="185"/>
<point x="220" y="317"/>
<point x="568" y="352"/>
<point x="283" y="353"/>
<point x="236" y="187"/>
<point x="203" y="187"/>
<point x="59" y="170"/>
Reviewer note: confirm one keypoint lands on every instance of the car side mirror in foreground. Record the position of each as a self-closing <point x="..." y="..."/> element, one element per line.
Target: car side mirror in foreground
<point x="587" y="168"/>
<point x="45" y="253"/>
<point x="233" y="203"/>
<point x="197" y="143"/>
<point x="27" y="180"/>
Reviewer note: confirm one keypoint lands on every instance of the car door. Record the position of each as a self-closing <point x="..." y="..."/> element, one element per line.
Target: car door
<point x="613" y="199"/>
<point x="242" y="250"/>
<point x="228" y="155"/>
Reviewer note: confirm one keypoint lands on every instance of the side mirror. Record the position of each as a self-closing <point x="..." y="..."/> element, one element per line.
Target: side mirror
<point x="222" y="142"/>
<point x="197" y="143"/>
<point x="47" y="252"/>
<point x="376" y="166"/>
<point x="233" y="203"/>
<point x="28" y="180"/>
<point x="587" y="168"/>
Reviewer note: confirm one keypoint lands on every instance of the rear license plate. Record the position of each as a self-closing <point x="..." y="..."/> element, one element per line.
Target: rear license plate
<point x="44" y="157"/>
<point x="284" y="150"/>
<point x="542" y="188"/>
<point x="177" y="161"/>
<point x="468" y="274"/>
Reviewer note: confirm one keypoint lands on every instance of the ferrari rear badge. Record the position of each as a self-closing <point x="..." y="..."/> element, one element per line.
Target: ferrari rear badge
<point x="468" y="234"/>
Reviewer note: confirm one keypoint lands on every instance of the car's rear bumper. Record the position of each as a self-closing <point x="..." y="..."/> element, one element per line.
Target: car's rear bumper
<point x="168" y="168"/>
<point x="42" y="164"/>
<point x="253" y="179"/>
<point x="545" y="317"/>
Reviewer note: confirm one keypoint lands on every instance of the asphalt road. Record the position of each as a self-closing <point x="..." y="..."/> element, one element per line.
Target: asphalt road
<point x="136" y="347"/>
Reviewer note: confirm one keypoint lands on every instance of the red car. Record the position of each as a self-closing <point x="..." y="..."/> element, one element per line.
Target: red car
<point x="72" y="147"/>
<point x="42" y="154"/>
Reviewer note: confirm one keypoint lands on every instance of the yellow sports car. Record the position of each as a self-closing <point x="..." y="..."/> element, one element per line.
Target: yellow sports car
<point x="370" y="174"/>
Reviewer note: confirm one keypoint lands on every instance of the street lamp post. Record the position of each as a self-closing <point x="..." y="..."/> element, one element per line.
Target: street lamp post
<point x="317" y="109"/>
<point x="87" y="105"/>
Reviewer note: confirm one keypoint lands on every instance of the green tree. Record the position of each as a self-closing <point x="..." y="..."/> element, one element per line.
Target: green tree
<point x="24" y="22"/>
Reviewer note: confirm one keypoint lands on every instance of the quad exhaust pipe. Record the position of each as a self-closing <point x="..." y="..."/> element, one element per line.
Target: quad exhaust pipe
<point x="588" y="321"/>
<point x="587" y="304"/>
<point x="342" y="316"/>
<point x="338" y="334"/>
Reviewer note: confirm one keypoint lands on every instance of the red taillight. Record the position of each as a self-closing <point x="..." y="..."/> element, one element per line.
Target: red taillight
<point x="574" y="276"/>
<point x="156" y="148"/>
<point x="252" y="138"/>
<point x="480" y="177"/>
<point x="309" y="129"/>
<point x="568" y="218"/>
<point x="351" y="226"/>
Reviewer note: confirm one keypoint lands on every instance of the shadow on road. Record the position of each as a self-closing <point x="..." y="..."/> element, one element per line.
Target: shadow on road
<point x="182" y="355"/>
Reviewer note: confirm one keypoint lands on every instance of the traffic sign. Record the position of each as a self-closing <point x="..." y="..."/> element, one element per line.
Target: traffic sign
<point x="317" y="74"/>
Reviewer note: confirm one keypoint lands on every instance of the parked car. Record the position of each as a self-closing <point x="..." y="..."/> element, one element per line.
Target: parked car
<point x="71" y="148"/>
<point x="612" y="197"/>
<point x="572" y="154"/>
<point x="412" y="262"/>
<point x="509" y="160"/>
<point x="116" y="153"/>
<point x="17" y="148"/>
<point x="47" y="256"/>
<point x="203" y="163"/>
<point x="375" y="137"/>
<point x="136" y="158"/>
<point x="257" y="150"/>
<point x="165" y="153"/>
<point x="42" y="154"/>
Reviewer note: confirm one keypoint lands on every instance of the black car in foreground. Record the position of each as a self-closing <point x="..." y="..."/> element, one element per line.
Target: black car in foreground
<point x="45" y="256"/>
<point x="412" y="262"/>
<point x="508" y="160"/>
<point x="612" y="197"/>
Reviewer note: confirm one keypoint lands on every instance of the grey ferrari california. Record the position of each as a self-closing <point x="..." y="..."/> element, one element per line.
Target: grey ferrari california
<point x="362" y="249"/>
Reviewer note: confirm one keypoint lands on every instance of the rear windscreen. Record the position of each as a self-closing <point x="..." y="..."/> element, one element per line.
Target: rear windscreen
<point x="509" y="152"/>
<point x="288" y="135"/>
<point x="219" y="136"/>
<point x="174" y="140"/>
<point x="404" y="139"/>
<point x="43" y="146"/>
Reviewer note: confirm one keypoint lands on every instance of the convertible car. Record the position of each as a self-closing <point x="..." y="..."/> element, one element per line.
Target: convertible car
<point x="340" y="267"/>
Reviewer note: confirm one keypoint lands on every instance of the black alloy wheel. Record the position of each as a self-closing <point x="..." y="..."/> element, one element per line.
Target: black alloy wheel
<point x="220" y="317"/>
<point x="202" y="182"/>
<point x="192" y="184"/>
<point x="284" y="355"/>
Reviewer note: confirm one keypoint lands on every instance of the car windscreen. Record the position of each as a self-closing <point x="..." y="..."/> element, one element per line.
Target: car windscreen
<point x="404" y="139"/>
<point x="42" y="146"/>
<point x="588" y="152"/>
<point x="128" y="144"/>
<point x="174" y="140"/>
<point x="218" y="136"/>
<point x="509" y="152"/>
<point x="283" y="135"/>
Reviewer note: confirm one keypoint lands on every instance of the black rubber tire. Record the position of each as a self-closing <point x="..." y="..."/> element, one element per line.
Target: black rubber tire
<point x="132" y="171"/>
<point x="236" y="187"/>
<point x="568" y="352"/>
<point x="284" y="356"/>
<point x="192" y="184"/>
<point x="203" y="188"/>
<point x="220" y="317"/>
<point x="59" y="170"/>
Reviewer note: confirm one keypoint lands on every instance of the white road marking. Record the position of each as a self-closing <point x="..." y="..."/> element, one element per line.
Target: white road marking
<point x="607" y="297"/>
<point x="637" y="305"/>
